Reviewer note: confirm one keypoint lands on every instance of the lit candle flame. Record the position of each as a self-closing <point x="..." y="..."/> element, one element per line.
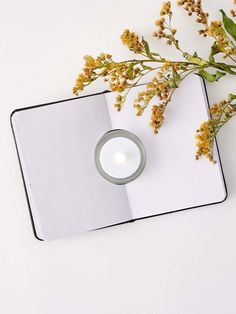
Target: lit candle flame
<point x="120" y="158"/>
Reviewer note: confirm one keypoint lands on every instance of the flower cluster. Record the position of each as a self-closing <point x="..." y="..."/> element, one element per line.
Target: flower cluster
<point x="195" y="6"/>
<point x="223" y="43"/>
<point x="167" y="75"/>
<point x="157" y="87"/>
<point x="220" y="114"/>
<point x="131" y="40"/>
<point x="161" y="86"/>
<point x="89" y="73"/>
<point x="164" y="28"/>
<point x="224" y="110"/>
<point x="166" y="9"/>
<point x="205" y="140"/>
<point x="119" y="75"/>
<point x="212" y="29"/>
<point x="157" y="117"/>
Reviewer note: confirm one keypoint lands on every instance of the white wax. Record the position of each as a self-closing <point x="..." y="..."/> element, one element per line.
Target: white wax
<point x="120" y="157"/>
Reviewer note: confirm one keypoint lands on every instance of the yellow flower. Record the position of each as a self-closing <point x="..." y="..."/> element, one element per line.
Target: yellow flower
<point x="166" y="8"/>
<point x="89" y="73"/>
<point x="205" y="140"/>
<point x="157" y="117"/>
<point x="131" y="40"/>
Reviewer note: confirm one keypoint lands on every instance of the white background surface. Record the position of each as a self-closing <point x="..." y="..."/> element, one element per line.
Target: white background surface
<point x="175" y="264"/>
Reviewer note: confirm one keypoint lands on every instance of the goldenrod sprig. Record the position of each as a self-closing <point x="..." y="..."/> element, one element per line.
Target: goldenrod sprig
<point x="168" y="74"/>
<point x="220" y="113"/>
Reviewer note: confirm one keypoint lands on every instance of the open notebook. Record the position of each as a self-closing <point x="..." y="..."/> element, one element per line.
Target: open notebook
<point x="65" y="192"/>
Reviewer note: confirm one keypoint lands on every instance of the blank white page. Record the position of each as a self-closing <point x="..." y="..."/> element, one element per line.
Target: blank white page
<point x="56" y="146"/>
<point x="172" y="178"/>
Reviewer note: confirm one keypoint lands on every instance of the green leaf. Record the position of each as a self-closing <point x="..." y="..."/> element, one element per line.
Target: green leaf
<point x="176" y="77"/>
<point x="211" y="77"/>
<point x="214" y="50"/>
<point x="146" y="67"/>
<point x="194" y="59"/>
<point x="226" y="68"/>
<point x="146" y="47"/>
<point x="155" y="54"/>
<point x="229" y="25"/>
<point x="130" y="71"/>
<point x="232" y="96"/>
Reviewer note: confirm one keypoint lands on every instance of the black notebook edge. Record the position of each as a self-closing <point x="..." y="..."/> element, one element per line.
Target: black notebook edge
<point x="132" y="220"/>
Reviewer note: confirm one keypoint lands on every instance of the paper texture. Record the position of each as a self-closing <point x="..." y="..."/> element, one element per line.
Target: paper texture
<point x="56" y="146"/>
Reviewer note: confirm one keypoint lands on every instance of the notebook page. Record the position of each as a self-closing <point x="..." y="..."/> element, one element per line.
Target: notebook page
<point x="172" y="178"/>
<point x="56" y="145"/>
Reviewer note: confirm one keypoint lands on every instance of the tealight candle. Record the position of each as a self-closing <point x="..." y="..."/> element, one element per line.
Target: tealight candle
<point x="120" y="156"/>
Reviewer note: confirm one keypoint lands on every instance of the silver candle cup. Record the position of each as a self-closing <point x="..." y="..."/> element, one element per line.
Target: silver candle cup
<point x="126" y="134"/>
